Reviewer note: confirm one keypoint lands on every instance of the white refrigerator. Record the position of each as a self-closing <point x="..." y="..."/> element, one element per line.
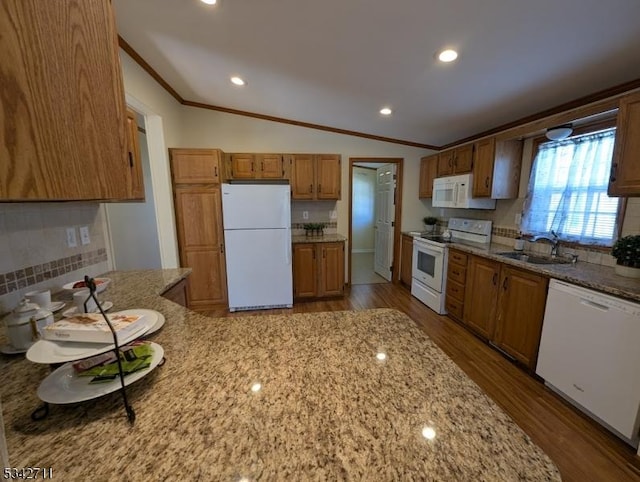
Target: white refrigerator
<point x="257" y="236"/>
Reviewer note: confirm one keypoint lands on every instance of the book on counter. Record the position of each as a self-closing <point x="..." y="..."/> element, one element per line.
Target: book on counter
<point x="92" y="328"/>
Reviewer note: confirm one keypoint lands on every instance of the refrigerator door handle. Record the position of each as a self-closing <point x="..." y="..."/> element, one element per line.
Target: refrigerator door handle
<point x="287" y="247"/>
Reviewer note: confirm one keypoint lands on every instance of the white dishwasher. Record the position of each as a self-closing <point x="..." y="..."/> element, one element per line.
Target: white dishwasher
<point x="590" y="353"/>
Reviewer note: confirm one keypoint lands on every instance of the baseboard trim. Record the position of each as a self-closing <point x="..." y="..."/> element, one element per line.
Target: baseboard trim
<point x="355" y="251"/>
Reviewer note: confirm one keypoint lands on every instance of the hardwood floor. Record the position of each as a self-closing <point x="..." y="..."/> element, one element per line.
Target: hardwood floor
<point x="582" y="449"/>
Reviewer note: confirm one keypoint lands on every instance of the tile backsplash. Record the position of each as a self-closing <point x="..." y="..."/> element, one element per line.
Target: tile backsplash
<point x="317" y="212"/>
<point x="33" y="247"/>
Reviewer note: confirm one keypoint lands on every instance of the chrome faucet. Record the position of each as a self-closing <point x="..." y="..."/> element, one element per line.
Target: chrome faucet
<point x="553" y="239"/>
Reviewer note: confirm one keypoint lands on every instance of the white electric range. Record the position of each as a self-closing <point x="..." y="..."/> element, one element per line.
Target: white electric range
<point x="430" y="252"/>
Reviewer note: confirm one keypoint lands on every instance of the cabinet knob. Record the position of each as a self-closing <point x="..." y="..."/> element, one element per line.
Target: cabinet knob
<point x="486" y="182"/>
<point x="495" y="278"/>
<point x="310" y="188"/>
<point x="612" y="175"/>
<point x="505" y="283"/>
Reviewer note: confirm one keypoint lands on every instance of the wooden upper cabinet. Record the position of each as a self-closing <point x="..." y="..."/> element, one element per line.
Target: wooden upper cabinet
<point x="428" y="172"/>
<point x="328" y="176"/>
<point x="316" y="176"/>
<point x="455" y="161"/>
<point x="195" y="166"/>
<point x="521" y="305"/>
<point x="63" y="128"/>
<point x="270" y="166"/>
<point x="243" y="166"/>
<point x="496" y="168"/>
<point x="136" y="180"/>
<point x="481" y="295"/>
<point x="445" y="163"/>
<point x="625" y="167"/>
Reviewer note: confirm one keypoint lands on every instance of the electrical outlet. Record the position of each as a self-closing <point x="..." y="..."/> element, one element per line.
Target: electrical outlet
<point x="72" y="242"/>
<point x="305" y="214"/>
<point x="84" y="235"/>
<point x="333" y="214"/>
<point x="518" y="219"/>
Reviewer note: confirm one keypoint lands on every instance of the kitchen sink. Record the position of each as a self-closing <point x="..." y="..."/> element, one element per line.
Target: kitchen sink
<point x="528" y="258"/>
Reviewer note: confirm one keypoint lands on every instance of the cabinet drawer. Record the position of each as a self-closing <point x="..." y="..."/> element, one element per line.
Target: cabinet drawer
<point x="455" y="290"/>
<point x="457" y="273"/>
<point x="454" y="307"/>
<point x="458" y="258"/>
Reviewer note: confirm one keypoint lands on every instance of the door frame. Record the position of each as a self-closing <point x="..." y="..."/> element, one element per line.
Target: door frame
<point x="398" y="161"/>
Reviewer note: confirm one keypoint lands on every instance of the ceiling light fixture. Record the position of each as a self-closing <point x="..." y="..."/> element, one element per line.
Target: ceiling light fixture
<point x="238" y="81"/>
<point x="386" y="111"/>
<point x="558" y="133"/>
<point x="448" y="55"/>
<point x="209" y="2"/>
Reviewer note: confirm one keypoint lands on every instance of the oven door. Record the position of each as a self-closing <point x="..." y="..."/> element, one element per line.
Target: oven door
<point x="428" y="264"/>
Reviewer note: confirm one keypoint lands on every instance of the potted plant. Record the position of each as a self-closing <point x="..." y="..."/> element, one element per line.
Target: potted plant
<point x="429" y="223"/>
<point x="626" y="250"/>
<point x="308" y="229"/>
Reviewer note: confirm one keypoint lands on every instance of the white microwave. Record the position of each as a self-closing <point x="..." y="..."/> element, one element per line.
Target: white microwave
<point x="456" y="192"/>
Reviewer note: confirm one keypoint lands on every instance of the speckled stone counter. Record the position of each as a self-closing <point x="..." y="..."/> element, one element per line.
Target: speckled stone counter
<point x="594" y="276"/>
<point x="326" y="238"/>
<point x="327" y="408"/>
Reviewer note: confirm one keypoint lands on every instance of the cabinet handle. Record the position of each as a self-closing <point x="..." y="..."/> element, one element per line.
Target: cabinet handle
<point x="130" y="159"/>
<point x="455" y="162"/>
<point x="612" y="176"/>
<point x="222" y="248"/>
<point x="486" y="182"/>
<point x="456" y="273"/>
<point x="495" y="278"/>
<point x="319" y="187"/>
<point x="262" y="166"/>
<point x="505" y="283"/>
<point x="310" y="188"/>
<point x="215" y="171"/>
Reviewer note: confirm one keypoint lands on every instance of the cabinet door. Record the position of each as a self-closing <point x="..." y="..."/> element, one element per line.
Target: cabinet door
<point x="463" y="159"/>
<point x="445" y="163"/>
<point x="331" y="269"/>
<point x="178" y="293"/>
<point x="483" y="167"/>
<point x="243" y="166"/>
<point x="305" y="275"/>
<point x="136" y="182"/>
<point x="195" y="166"/>
<point x="63" y="131"/>
<point x="270" y="166"/>
<point x="625" y="167"/>
<point x="328" y="176"/>
<point x="521" y="309"/>
<point x="302" y="176"/>
<point x="428" y="172"/>
<point x="406" y="259"/>
<point x="481" y="295"/>
<point x="202" y="243"/>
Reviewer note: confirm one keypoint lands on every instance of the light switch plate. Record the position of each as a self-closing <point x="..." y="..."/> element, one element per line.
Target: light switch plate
<point x="72" y="242"/>
<point x="305" y="214"/>
<point x="84" y="235"/>
<point x="333" y="214"/>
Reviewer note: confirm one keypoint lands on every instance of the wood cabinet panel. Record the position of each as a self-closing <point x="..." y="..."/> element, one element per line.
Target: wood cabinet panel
<point x="456" y="272"/>
<point x="197" y="204"/>
<point x="483" y="170"/>
<point x="302" y="176"/>
<point x="208" y="285"/>
<point x="135" y="185"/>
<point x="406" y="259"/>
<point x="328" y="176"/>
<point x="523" y="295"/>
<point x="270" y="166"/>
<point x="456" y="281"/>
<point x="456" y="290"/>
<point x="625" y="167"/>
<point x="305" y="276"/>
<point x="496" y="168"/>
<point x="445" y="163"/>
<point x="428" y="172"/>
<point x="463" y="159"/>
<point x="63" y="128"/>
<point x="331" y="269"/>
<point x="481" y="295"/>
<point x="178" y="293"/>
<point x="195" y="166"/>
<point x="316" y="176"/>
<point x="242" y="166"/>
<point x="318" y="270"/>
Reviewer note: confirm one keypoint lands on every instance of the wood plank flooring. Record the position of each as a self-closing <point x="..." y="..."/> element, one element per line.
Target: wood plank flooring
<point x="582" y="449"/>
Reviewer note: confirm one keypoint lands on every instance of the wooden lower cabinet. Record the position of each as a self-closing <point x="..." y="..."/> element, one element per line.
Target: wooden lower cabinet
<point x="406" y="259"/>
<point x="521" y="304"/>
<point x="178" y="293"/>
<point x="502" y="304"/>
<point x="318" y="270"/>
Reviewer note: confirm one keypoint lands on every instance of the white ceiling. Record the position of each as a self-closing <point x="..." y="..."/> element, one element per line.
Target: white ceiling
<point x="337" y="62"/>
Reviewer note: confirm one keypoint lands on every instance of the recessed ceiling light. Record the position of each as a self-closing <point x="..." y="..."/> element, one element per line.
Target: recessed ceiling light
<point x="385" y="111"/>
<point x="209" y="2"/>
<point x="238" y="81"/>
<point x="448" y="55"/>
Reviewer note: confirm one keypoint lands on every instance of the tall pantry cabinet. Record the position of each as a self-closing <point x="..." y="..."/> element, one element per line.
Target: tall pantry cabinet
<point x="197" y="195"/>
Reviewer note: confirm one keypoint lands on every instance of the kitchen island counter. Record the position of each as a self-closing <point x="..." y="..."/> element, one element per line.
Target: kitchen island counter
<point x="280" y="397"/>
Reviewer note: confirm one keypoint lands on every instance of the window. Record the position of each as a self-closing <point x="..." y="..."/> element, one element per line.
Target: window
<point x="568" y="190"/>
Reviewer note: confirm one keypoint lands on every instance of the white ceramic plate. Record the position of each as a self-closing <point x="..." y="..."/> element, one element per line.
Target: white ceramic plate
<point x="10" y="350"/>
<point x="55" y="306"/>
<point x="99" y="287"/>
<point x="159" y="324"/>
<point x="73" y="311"/>
<point x="49" y="351"/>
<point x="64" y="386"/>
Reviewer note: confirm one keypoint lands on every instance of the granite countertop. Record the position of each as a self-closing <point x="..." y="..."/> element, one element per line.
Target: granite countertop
<point x="326" y="238"/>
<point x="589" y="275"/>
<point x="327" y="407"/>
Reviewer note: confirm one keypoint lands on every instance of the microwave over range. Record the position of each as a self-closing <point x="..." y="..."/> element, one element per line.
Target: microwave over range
<point x="456" y="192"/>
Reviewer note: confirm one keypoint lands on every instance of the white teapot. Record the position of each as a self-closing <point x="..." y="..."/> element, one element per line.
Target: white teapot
<point x="25" y="323"/>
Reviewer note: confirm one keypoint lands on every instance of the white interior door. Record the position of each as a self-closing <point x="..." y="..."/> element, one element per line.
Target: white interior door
<point x="384" y="219"/>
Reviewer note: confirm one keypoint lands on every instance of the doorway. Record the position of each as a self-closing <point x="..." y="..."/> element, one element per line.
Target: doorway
<point x="374" y="206"/>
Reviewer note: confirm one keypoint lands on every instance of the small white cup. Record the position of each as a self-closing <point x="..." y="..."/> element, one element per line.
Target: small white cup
<point x="79" y="298"/>
<point x="42" y="298"/>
